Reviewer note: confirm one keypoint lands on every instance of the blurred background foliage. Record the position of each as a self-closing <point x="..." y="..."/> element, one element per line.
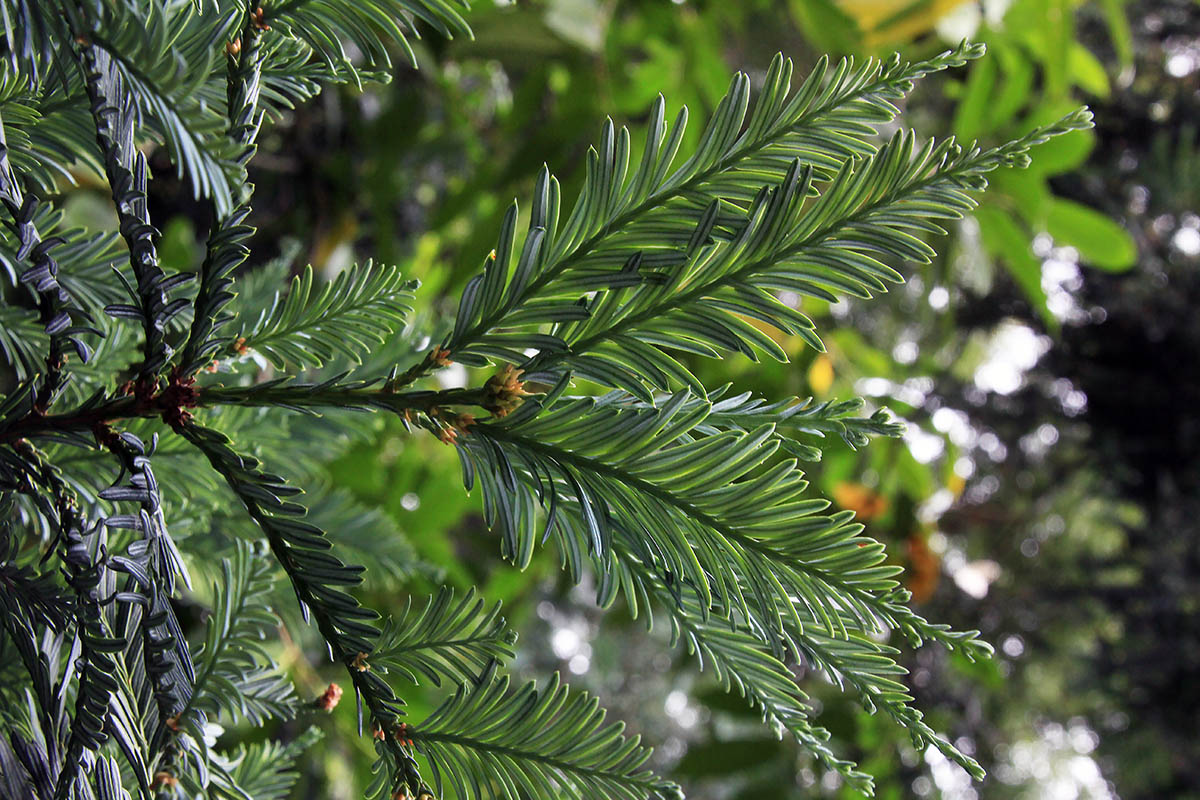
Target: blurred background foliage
<point x="1047" y="367"/>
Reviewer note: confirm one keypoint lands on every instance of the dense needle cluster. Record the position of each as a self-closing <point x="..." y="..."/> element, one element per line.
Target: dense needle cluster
<point x="135" y="405"/>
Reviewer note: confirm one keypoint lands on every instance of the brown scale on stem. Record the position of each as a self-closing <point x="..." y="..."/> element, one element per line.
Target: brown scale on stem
<point x="403" y="734"/>
<point x="107" y="437"/>
<point x="328" y="699"/>
<point x="163" y="780"/>
<point x="172" y="402"/>
<point x="175" y="400"/>
<point x="448" y="435"/>
<point x="436" y="358"/>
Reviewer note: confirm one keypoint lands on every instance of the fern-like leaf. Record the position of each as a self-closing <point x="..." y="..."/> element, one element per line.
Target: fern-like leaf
<point x="371" y="25"/>
<point x="654" y="215"/>
<point x="260" y="771"/>
<point x="742" y="663"/>
<point x="870" y="212"/>
<point x="312" y="324"/>
<point x="486" y="741"/>
<point x="166" y="57"/>
<point x="706" y="509"/>
<point x="235" y="674"/>
<point x="445" y="639"/>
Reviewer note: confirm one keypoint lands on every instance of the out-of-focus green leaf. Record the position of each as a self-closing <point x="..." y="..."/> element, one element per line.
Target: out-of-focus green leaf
<point x="178" y="246"/>
<point x="1101" y="242"/>
<point x="1006" y="241"/>
<point x="829" y="27"/>
<point x="1026" y="193"/>
<point x="985" y="673"/>
<point x="1016" y="83"/>
<point x="1118" y="29"/>
<point x="720" y="758"/>
<point x="1047" y="28"/>
<point x="855" y="348"/>
<point x="971" y="117"/>
<point x="582" y="22"/>
<point x="1087" y="71"/>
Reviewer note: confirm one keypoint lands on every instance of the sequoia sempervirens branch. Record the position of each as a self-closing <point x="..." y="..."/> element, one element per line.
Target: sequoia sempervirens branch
<point x="665" y="491"/>
<point x="174" y="400"/>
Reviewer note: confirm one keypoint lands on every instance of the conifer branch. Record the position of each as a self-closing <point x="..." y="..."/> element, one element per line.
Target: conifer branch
<point x="319" y="580"/>
<point x="707" y="506"/>
<point x="298" y="546"/>
<point x="114" y="114"/>
<point x="792" y="417"/>
<point x="165" y="58"/>
<point x="370" y="24"/>
<point x="235" y="673"/>
<point x="55" y="304"/>
<point x="820" y="247"/>
<point x="97" y="646"/>
<point x="869" y="668"/>
<point x="235" y="676"/>
<point x="444" y="639"/>
<point x="152" y="565"/>
<point x="676" y="498"/>
<point x="227" y="246"/>
<point x="173" y="402"/>
<point x="346" y="317"/>
<point x="692" y="480"/>
<point x="527" y="743"/>
<point x="828" y="119"/>
<point x="262" y="770"/>
<point x="33" y="606"/>
<point x="741" y="662"/>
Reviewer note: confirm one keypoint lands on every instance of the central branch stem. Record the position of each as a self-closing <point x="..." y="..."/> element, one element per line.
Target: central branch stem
<point x="295" y="396"/>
